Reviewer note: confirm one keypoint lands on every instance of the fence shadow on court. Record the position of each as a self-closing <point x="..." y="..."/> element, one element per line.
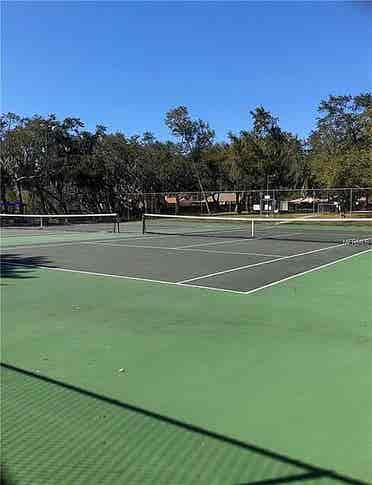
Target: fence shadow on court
<point x="72" y="434"/>
<point x="17" y="266"/>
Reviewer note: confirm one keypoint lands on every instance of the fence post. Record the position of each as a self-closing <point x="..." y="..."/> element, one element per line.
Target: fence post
<point x="313" y="201"/>
<point x="260" y="202"/>
<point x="351" y="202"/>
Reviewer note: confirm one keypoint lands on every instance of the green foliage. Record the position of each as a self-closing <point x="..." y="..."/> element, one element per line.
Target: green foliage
<point x="266" y="155"/>
<point x="196" y="137"/>
<point x="340" y="150"/>
<point x="58" y="166"/>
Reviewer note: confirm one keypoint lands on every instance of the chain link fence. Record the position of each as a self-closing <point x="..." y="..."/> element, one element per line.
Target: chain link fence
<point x="316" y="201"/>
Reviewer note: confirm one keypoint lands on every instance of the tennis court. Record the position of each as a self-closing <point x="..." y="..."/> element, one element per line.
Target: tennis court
<point x="187" y="355"/>
<point x="218" y="253"/>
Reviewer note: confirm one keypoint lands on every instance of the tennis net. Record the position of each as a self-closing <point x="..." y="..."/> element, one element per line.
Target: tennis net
<point x="18" y="223"/>
<point x="349" y="231"/>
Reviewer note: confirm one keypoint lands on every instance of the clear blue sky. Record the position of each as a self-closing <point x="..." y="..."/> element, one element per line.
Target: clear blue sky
<point x="124" y="64"/>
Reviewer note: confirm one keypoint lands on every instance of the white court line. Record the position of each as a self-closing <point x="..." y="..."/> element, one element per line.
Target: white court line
<point x="261" y="263"/>
<point x="106" y="242"/>
<point x="229" y="240"/>
<point x="130" y="238"/>
<point x="109" y="244"/>
<point x="136" y="278"/>
<point x="160" y="236"/>
<point x="305" y="272"/>
<point x="182" y="249"/>
<point x="127" y="237"/>
<point x="241" y="240"/>
<point x="68" y="243"/>
<point x="226" y="241"/>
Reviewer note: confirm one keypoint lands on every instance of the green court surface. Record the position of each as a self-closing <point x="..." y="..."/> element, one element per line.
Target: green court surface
<point x="116" y="381"/>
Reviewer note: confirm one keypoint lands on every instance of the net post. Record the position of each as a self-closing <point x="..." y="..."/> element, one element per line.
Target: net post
<point x="41" y="223"/>
<point x="143" y="224"/>
<point x="252" y="228"/>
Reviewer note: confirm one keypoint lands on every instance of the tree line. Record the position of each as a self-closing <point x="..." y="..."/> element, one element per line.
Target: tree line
<point x="57" y="166"/>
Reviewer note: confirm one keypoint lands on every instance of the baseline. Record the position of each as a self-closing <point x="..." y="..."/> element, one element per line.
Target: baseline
<point x="135" y="278"/>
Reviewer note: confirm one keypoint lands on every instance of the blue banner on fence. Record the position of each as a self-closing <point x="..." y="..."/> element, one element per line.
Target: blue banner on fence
<point x="15" y="203"/>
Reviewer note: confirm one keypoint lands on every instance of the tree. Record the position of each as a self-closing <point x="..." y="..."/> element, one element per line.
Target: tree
<point x="196" y="136"/>
<point x="265" y="156"/>
<point x="8" y="157"/>
<point x="340" y="146"/>
<point x="17" y="155"/>
<point x="54" y="165"/>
